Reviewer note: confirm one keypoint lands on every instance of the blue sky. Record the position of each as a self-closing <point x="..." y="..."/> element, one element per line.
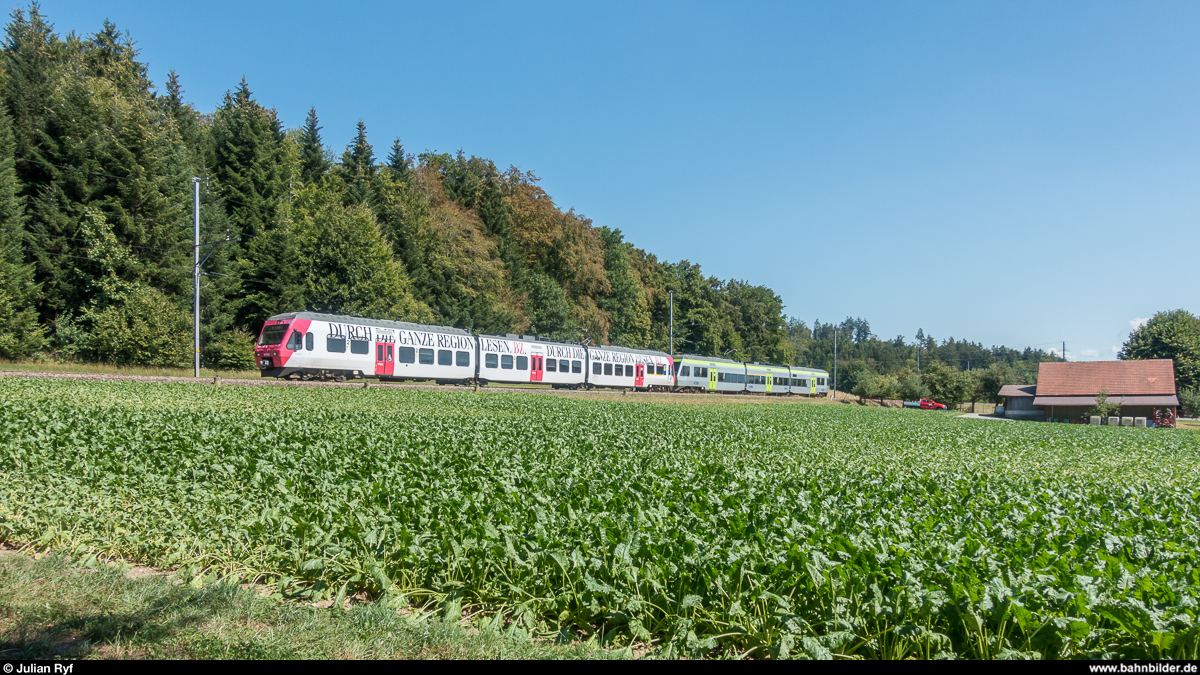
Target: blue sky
<point x="1017" y="173"/>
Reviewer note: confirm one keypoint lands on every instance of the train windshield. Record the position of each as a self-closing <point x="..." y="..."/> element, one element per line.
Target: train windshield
<point x="272" y="335"/>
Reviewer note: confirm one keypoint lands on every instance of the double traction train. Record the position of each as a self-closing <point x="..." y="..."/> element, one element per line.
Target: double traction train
<point x="309" y="345"/>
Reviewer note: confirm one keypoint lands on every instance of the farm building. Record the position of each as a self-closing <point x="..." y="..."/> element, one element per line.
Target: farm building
<point x="1065" y="391"/>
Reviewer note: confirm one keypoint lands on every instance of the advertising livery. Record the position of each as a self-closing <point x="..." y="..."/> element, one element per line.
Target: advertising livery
<point x="308" y="345"/>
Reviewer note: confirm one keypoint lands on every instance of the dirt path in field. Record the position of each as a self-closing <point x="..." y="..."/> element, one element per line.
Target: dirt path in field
<point x="605" y="394"/>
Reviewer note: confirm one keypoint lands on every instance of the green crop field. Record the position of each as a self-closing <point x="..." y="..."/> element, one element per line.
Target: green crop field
<point x="702" y="530"/>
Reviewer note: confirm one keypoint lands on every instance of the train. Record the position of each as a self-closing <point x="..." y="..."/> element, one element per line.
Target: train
<point x="311" y="345"/>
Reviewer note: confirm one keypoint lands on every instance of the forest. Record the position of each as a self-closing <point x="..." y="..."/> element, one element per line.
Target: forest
<point x="96" y="243"/>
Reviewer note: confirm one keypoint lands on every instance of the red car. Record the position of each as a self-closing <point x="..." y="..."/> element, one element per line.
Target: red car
<point x="926" y="404"/>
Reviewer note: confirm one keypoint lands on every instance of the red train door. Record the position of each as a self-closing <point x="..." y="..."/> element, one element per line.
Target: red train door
<point x="639" y="375"/>
<point x="535" y="368"/>
<point x="385" y="359"/>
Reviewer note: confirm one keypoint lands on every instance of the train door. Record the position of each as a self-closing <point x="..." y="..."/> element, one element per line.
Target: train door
<point x="639" y="375"/>
<point x="385" y="358"/>
<point x="712" y="378"/>
<point x="535" y="368"/>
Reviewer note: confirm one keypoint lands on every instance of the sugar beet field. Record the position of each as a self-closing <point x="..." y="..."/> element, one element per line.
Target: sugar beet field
<point x="702" y="530"/>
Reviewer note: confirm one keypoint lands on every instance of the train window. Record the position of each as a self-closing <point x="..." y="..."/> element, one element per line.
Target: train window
<point x="685" y="371"/>
<point x="608" y="369"/>
<point x="620" y="370"/>
<point x="272" y="335"/>
<point x="294" y="340"/>
<point x="522" y="363"/>
<point x="407" y="354"/>
<point x="308" y="341"/>
<point x="676" y="367"/>
<point x="720" y="376"/>
<point x="462" y="358"/>
<point x="552" y="366"/>
<point x="360" y="347"/>
<point x="577" y="367"/>
<point x="506" y="362"/>
<point x="335" y="344"/>
<point x="425" y="357"/>
<point x="563" y="365"/>
<point x="491" y="361"/>
<point x="378" y="352"/>
<point x="445" y="357"/>
<point x="596" y="367"/>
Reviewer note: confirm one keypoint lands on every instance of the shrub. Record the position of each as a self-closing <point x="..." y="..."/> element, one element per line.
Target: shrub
<point x="231" y="351"/>
<point x="146" y="329"/>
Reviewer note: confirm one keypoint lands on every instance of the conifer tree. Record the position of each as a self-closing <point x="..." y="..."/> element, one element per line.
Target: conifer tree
<point x="246" y="160"/>
<point x="314" y="163"/>
<point x="20" y="334"/>
<point x="399" y="163"/>
<point x="358" y="168"/>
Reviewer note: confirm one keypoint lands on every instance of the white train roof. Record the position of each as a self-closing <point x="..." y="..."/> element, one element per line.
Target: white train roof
<point x="363" y="321"/>
<point x="629" y="350"/>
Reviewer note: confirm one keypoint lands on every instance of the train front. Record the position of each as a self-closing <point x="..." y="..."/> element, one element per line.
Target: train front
<point x="271" y="353"/>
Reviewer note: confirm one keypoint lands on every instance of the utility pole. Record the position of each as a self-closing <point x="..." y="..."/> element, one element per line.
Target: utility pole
<point x="1064" y="353"/>
<point x="196" y="270"/>
<point x="196" y="273"/>
<point x="834" y="362"/>
<point x="672" y="294"/>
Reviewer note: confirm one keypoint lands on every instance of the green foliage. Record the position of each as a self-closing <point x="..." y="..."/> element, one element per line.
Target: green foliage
<point x="1171" y="335"/>
<point x="314" y="162"/>
<point x="233" y="350"/>
<point x="946" y="385"/>
<point x="144" y="329"/>
<point x="549" y="312"/>
<point x="245" y="156"/>
<point x="817" y="531"/>
<point x="1105" y="407"/>
<point x="1189" y="400"/>
<point x="20" y="334"/>
<point x="346" y="264"/>
<point x="881" y="387"/>
<point x="912" y="388"/>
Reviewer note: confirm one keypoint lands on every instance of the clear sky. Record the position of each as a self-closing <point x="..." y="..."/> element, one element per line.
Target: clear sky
<point x="1017" y="173"/>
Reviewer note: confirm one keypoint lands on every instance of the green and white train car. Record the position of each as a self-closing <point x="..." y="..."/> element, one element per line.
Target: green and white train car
<point x="809" y="381"/>
<point x="709" y="373"/>
<point x="765" y="379"/>
<point x="715" y="374"/>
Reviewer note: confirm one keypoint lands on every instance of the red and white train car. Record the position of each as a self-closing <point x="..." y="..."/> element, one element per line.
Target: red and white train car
<point x="525" y="358"/>
<point x="309" y="344"/>
<point x="612" y="366"/>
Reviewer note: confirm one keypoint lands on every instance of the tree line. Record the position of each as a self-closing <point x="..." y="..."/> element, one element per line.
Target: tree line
<point x="96" y="168"/>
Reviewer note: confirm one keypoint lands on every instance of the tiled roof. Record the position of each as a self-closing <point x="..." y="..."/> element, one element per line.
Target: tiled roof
<point x="1018" y="390"/>
<point x="1162" y="400"/>
<point x="1087" y="378"/>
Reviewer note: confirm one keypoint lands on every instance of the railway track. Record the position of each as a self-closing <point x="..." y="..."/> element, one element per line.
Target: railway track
<point x="360" y="384"/>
